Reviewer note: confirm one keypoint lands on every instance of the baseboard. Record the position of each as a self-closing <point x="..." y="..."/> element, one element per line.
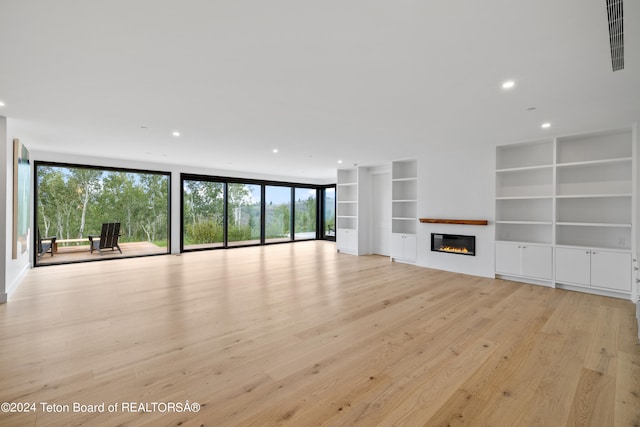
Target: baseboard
<point x="16" y="282"/>
<point x="594" y="291"/>
<point x="528" y="280"/>
<point x="3" y="298"/>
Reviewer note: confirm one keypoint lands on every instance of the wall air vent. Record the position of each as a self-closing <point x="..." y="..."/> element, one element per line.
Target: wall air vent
<point x="616" y="33"/>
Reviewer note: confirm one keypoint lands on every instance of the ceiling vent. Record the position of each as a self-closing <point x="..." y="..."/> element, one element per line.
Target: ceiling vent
<point x="616" y="33"/>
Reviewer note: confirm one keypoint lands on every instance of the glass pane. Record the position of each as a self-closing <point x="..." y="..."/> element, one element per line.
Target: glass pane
<point x="305" y="213"/>
<point x="277" y="225"/>
<point x="203" y="214"/>
<point x="75" y="204"/>
<point x="329" y="212"/>
<point x="243" y="214"/>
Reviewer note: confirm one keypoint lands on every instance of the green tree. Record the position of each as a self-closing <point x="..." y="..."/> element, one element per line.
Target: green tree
<point x="86" y="183"/>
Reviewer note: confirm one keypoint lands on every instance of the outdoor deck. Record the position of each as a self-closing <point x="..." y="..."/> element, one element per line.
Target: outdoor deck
<point x="77" y="253"/>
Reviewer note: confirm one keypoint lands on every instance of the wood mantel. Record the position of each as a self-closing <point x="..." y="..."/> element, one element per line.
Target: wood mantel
<point x="455" y="221"/>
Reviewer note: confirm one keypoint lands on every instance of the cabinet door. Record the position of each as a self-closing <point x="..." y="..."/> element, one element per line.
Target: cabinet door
<point x="410" y="247"/>
<point x="346" y="239"/>
<point x="508" y="258"/>
<point x="537" y="261"/>
<point x="611" y="270"/>
<point x="397" y="247"/>
<point x="573" y="266"/>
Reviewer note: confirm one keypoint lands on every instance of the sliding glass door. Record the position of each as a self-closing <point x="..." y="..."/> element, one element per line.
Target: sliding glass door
<point x="243" y="214"/>
<point x="202" y="214"/>
<point x="277" y="221"/>
<point x="219" y="212"/>
<point x="305" y="213"/>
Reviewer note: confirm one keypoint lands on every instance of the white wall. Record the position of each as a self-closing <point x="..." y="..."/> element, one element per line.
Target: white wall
<point x="457" y="183"/>
<point x="3" y="208"/>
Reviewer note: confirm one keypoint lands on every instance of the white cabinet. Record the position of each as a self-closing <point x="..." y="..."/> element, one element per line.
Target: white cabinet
<point x="347" y="240"/>
<point x="594" y="268"/>
<point x="404" y="210"/>
<point x="524" y="260"/>
<point x="403" y="247"/>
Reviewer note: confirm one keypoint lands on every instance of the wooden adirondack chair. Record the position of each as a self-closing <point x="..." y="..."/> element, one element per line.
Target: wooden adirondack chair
<point x="108" y="238"/>
<point x="45" y="244"/>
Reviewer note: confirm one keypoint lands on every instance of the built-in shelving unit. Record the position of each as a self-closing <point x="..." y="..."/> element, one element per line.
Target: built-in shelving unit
<point x="575" y="196"/>
<point x="524" y="192"/>
<point x="404" y="210"/>
<point x="352" y="192"/>
<point x="594" y="190"/>
<point x="347" y="210"/>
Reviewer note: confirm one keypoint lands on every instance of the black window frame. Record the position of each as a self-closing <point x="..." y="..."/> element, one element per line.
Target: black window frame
<point x="44" y="163"/>
<point x="263" y="183"/>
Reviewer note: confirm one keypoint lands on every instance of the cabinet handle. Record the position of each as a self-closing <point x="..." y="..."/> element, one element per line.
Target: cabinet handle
<point x="587" y="252"/>
<point x="593" y="253"/>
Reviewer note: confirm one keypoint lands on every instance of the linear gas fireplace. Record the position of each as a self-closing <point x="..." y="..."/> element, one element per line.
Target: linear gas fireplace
<point x="453" y="244"/>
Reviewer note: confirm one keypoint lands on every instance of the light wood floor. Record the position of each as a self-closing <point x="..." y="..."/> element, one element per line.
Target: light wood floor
<point x="298" y="335"/>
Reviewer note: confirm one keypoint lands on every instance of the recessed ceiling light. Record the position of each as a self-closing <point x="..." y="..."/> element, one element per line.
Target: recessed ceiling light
<point x="176" y="133"/>
<point x="508" y="84"/>
<point x="2" y="104"/>
<point x="339" y="161"/>
<point x="546" y="125"/>
<point x="275" y="150"/>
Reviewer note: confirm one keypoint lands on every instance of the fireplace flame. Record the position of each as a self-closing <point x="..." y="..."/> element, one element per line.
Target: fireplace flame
<point x="454" y="249"/>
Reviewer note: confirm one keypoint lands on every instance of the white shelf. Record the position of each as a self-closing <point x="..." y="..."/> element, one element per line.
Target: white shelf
<point x="525" y="168"/>
<point x="404" y="218"/>
<point x="594" y="224"/>
<point x="591" y="196"/>
<point x="404" y="201"/>
<point x="404" y="179"/>
<point x="525" y="198"/>
<point x="526" y="222"/>
<point x="595" y="162"/>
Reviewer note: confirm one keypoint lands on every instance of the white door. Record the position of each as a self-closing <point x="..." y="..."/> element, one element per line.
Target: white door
<point x="381" y="213"/>
<point x="410" y="247"/>
<point x="537" y="261"/>
<point x="573" y="266"/>
<point x="508" y="258"/>
<point x="611" y="270"/>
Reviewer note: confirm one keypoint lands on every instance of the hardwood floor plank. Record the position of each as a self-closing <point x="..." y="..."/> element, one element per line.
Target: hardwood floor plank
<point x="594" y="397"/>
<point x="627" y="395"/>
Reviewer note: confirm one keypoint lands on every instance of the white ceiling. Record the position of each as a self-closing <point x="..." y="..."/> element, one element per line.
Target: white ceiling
<point x="364" y="81"/>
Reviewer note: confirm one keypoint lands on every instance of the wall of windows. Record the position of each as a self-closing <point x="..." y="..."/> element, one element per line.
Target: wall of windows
<point x="226" y="212"/>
